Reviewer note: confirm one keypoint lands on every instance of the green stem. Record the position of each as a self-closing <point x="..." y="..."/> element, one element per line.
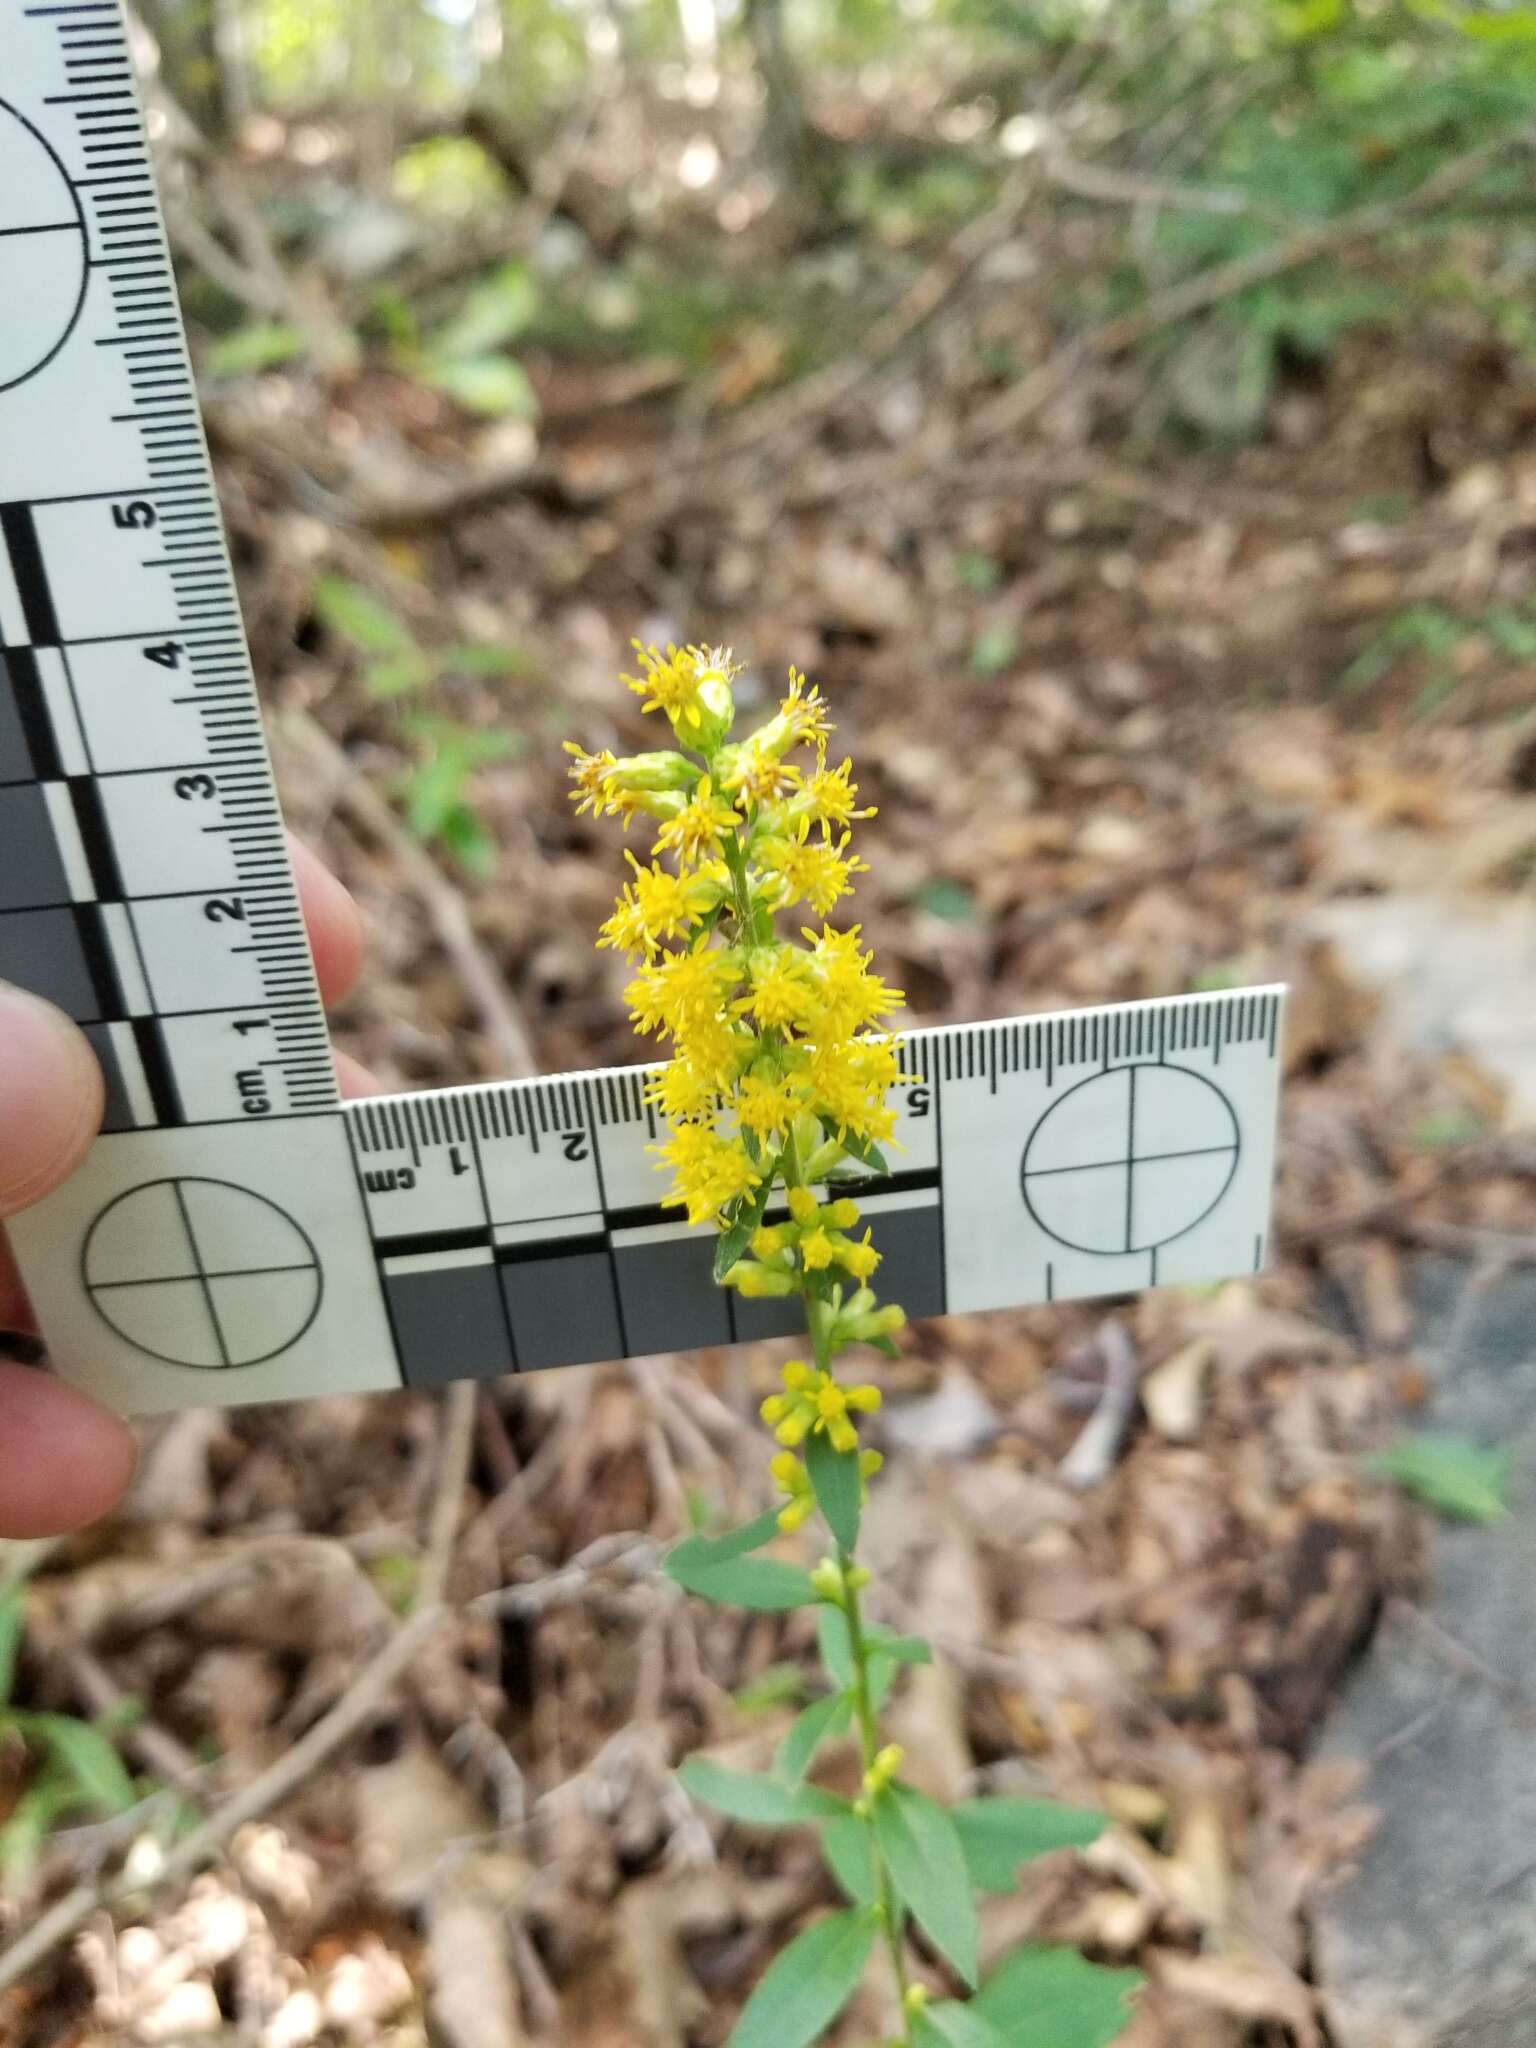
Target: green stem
<point x="863" y="1705"/>
<point x="869" y="1749"/>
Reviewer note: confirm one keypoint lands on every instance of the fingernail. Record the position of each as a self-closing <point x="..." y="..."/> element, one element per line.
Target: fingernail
<point x="50" y="1097"/>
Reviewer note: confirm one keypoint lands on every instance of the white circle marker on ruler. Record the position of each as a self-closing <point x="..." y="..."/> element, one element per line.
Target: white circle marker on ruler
<point x="236" y="1233"/>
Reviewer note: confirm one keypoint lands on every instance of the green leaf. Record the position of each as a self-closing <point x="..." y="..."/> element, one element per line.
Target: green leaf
<point x="432" y="790"/>
<point x="808" y="1731"/>
<point x="732" y="1242"/>
<point x="836" y="1648"/>
<point x="753" y="1797"/>
<point x="944" y="897"/>
<point x="469" y="839"/>
<point x="85" y="1756"/>
<point x="487" y="658"/>
<point x="706" y="1552"/>
<point x="24" y="1833"/>
<point x="845" y="1846"/>
<point x="868" y="1155"/>
<point x="1051" y="1998"/>
<point x="835" y="1476"/>
<point x="922" y="1852"/>
<point x="905" y="1649"/>
<point x="781" y="1685"/>
<point x="13" y="1614"/>
<point x="495" y="311"/>
<point x="261" y="346"/>
<point x="997" y="1835"/>
<point x="346" y="608"/>
<point x="1460" y="1478"/>
<point x="395" y="675"/>
<point x="493" y="385"/>
<point x="950" y="2024"/>
<point x="994" y="649"/>
<point x="760" y="1583"/>
<point x="977" y="571"/>
<point x="806" y="1987"/>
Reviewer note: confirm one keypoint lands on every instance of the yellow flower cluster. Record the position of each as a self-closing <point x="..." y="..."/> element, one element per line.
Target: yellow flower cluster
<point x="781" y="1057"/>
<point x="814" y="1403"/>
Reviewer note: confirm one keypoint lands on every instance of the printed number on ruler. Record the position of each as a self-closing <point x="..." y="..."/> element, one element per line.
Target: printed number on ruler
<point x="145" y="883"/>
<point x="519" y="1225"/>
<point x="236" y="1234"/>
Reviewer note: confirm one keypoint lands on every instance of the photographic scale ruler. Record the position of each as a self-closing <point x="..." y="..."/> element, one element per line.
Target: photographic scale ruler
<point x="237" y="1233"/>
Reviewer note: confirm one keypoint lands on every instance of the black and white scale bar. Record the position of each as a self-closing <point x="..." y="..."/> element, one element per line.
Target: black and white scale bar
<point x="1035" y="1159"/>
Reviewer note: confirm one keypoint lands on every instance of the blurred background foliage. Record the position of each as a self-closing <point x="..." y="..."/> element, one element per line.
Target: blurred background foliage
<point x="596" y="237"/>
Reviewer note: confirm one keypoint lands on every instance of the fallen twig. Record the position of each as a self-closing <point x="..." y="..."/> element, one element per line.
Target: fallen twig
<point x="1092" y="1457"/>
<point x="265" y="1791"/>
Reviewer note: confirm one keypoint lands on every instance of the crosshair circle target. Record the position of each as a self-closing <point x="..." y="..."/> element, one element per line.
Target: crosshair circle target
<point x="1130" y="1159"/>
<point x="201" y="1273"/>
<point x="42" y="231"/>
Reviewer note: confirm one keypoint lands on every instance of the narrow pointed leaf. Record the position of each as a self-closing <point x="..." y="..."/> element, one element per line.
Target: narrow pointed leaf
<point x="760" y="1583"/>
<point x="848" y="1854"/>
<point x="835" y="1476"/>
<point x="708" y="1551"/>
<point x="732" y="1242"/>
<point x="836" y="1649"/>
<point x="807" y="1986"/>
<point x="12" y="1613"/>
<point x="949" y="2024"/>
<point x="807" y="1732"/>
<point x="1052" y="1998"/>
<point x="85" y="1756"/>
<point x="869" y="1156"/>
<point x="905" y="1649"/>
<point x="997" y="1835"/>
<point x="753" y="1797"/>
<point x="923" y="1854"/>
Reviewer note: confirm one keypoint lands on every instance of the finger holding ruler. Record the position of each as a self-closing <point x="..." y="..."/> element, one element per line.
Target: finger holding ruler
<point x="239" y="1234"/>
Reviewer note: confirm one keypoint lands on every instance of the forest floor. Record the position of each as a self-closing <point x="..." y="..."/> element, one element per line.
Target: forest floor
<point x="1109" y="697"/>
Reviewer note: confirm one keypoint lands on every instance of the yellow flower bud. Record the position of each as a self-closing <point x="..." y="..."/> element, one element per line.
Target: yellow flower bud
<point x="759" y="1283"/>
<point x="870" y="1463"/>
<point x="774" y="1409"/>
<point x="831" y="1401"/>
<point x="858" y="1259"/>
<point x="786" y="1470"/>
<point x="767" y="1241"/>
<point x="794" y="1429"/>
<point x="802" y="1204"/>
<point x="796" y="1513"/>
<point x="796" y="1375"/>
<point x="817" y="1251"/>
<point x="915" y="1997"/>
<point x="844" y="1437"/>
<point x="828" y="1581"/>
<point x="857" y="1577"/>
<point x="884" y="1767"/>
<point x="865" y="1399"/>
<point x="841" y="1215"/>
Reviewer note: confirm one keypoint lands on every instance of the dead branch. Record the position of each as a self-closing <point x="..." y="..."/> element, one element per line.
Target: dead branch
<point x="456" y="1447"/>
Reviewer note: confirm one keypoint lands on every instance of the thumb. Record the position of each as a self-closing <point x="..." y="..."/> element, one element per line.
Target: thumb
<point x="50" y="1098"/>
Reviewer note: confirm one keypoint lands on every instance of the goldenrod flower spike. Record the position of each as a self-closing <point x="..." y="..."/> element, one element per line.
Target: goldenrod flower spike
<point x="777" y="1083"/>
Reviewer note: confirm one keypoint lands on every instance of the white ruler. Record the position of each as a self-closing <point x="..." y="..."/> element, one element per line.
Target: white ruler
<point x="238" y="1235"/>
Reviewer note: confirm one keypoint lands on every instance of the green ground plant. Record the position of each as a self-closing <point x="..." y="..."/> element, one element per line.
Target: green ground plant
<point x="436" y="790"/>
<point x="67" y="1769"/>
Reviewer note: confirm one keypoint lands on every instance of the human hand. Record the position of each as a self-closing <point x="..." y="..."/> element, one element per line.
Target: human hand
<point x="64" y="1459"/>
